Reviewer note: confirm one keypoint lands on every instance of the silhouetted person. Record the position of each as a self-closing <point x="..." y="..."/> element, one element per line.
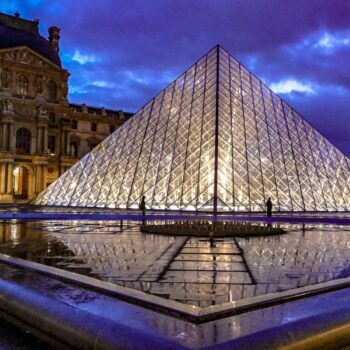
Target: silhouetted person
<point x="142" y="205"/>
<point x="269" y="207"/>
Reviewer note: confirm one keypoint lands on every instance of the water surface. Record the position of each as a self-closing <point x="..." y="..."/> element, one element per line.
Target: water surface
<point x="197" y="271"/>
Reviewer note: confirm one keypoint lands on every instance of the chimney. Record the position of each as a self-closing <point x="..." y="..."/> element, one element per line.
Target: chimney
<point x="54" y="38"/>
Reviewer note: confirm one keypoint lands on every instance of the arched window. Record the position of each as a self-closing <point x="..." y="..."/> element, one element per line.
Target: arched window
<point x="23" y="138"/>
<point x="22" y="85"/>
<point x="52" y="91"/>
<point x="52" y="117"/>
<point x="74" y="146"/>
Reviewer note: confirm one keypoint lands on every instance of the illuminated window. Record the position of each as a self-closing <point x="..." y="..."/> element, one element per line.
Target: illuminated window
<point x="22" y="85"/>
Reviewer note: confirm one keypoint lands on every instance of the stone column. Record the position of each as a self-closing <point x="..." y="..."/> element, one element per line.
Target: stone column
<point x="8" y="144"/>
<point x="44" y="170"/>
<point x="9" y="177"/>
<point x="12" y="146"/>
<point x="39" y="144"/>
<point x="83" y="147"/>
<point x="40" y="175"/>
<point x="38" y="178"/>
<point x="3" y="178"/>
<point x="45" y="139"/>
<point x="4" y="136"/>
<point x="58" y="144"/>
<point x="63" y="143"/>
<point x="6" y="166"/>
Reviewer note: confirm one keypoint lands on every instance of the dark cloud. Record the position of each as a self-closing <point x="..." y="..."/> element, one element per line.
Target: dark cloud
<point x="137" y="47"/>
<point x="328" y="111"/>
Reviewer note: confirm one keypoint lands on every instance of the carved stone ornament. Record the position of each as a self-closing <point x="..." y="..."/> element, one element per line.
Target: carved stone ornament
<point x="39" y="83"/>
<point x="6" y="78"/>
<point x="24" y="57"/>
<point x="84" y="108"/>
<point x="65" y="89"/>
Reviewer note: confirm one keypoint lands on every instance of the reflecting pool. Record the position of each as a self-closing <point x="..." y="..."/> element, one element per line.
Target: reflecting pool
<point x="197" y="271"/>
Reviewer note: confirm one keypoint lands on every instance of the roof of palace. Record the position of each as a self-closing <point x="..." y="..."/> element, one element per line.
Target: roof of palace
<point x="15" y="32"/>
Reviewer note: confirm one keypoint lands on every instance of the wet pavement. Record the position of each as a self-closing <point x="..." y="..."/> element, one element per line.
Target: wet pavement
<point x="268" y="328"/>
<point x="195" y="271"/>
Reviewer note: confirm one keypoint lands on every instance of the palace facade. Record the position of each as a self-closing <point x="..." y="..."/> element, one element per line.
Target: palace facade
<point x="41" y="133"/>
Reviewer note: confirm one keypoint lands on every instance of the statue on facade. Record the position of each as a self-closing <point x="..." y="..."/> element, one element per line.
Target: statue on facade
<point x="42" y="112"/>
<point x="39" y="82"/>
<point x="8" y="107"/>
<point x="73" y="150"/>
<point x="84" y="108"/>
<point x="121" y="115"/>
<point x="103" y="111"/>
<point x="65" y="89"/>
<point x="6" y="78"/>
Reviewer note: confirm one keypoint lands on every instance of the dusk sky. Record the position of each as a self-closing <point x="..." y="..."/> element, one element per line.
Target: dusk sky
<point x="121" y="53"/>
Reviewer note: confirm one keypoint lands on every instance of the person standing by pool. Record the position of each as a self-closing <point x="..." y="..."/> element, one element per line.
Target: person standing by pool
<point x="269" y="207"/>
<point x="142" y="205"/>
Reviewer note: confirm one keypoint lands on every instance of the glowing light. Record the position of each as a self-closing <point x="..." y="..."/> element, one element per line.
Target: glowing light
<point x="181" y="154"/>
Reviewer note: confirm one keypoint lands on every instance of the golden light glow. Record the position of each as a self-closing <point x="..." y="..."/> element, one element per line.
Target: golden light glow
<point x="199" y="130"/>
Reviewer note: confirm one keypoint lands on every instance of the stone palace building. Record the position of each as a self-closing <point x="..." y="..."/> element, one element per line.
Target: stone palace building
<point x="41" y="133"/>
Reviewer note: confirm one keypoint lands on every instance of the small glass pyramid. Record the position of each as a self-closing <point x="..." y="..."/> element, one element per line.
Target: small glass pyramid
<point x="216" y="139"/>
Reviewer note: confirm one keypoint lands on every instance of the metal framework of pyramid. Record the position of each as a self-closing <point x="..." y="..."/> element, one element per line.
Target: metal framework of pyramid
<point x="216" y="139"/>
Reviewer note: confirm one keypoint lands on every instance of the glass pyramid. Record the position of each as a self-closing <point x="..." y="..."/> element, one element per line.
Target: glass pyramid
<point x="216" y="139"/>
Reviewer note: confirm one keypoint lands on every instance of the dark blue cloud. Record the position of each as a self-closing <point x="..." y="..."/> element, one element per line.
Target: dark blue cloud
<point x="121" y="53"/>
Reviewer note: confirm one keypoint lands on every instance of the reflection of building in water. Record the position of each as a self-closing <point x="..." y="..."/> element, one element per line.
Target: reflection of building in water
<point x="191" y="270"/>
<point x="19" y="241"/>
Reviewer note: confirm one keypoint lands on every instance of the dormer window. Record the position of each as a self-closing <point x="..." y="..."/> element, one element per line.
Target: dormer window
<point x="22" y="85"/>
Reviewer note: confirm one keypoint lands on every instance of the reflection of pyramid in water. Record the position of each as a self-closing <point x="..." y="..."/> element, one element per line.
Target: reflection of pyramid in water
<point x="215" y="139"/>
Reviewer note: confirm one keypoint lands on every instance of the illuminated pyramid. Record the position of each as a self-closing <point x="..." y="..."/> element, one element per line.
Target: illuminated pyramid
<point x="216" y="139"/>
